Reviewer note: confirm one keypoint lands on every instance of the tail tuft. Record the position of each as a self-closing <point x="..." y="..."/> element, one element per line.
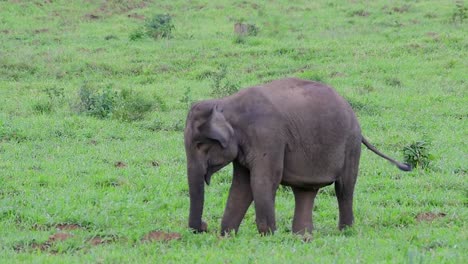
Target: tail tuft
<point x="404" y="166"/>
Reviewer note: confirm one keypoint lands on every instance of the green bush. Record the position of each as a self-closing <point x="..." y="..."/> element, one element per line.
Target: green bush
<point x="417" y="154"/>
<point x="131" y="106"/>
<point x="160" y="26"/>
<point x="126" y="105"/>
<point x="136" y="35"/>
<point x="252" y="29"/>
<point x="460" y="12"/>
<point x="96" y="102"/>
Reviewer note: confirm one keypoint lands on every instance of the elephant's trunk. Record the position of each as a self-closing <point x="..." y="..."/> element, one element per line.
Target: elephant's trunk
<point x="197" y="197"/>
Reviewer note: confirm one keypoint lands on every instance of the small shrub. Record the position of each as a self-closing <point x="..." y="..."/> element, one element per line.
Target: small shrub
<point x="43" y="107"/>
<point x="125" y="104"/>
<point x="110" y="37"/>
<point x="239" y="39"/>
<point x="55" y="93"/>
<point x="9" y="133"/>
<point x="96" y="102"/>
<point x="136" y="35"/>
<point x="221" y="85"/>
<point x="252" y="30"/>
<point x="178" y="125"/>
<point x="417" y="154"/>
<point x="131" y="106"/>
<point x="187" y="97"/>
<point x="460" y="12"/>
<point x="54" y="97"/>
<point x="160" y="103"/>
<point x="360" y="12"/>
<point x="393" y="82"/>
<point x="155" y="125"/>
<point x="244" y="29"/>
<point x="160" y="26"/>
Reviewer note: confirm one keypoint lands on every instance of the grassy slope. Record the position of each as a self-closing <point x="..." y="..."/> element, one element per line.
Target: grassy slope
<point x="400" y="64"/>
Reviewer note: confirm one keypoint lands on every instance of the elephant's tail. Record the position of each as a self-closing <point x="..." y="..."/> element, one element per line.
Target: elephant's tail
<point x="401" y="166"/>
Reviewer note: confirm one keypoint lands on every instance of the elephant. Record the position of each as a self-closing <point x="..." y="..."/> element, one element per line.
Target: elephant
<point x="290" y="131"/>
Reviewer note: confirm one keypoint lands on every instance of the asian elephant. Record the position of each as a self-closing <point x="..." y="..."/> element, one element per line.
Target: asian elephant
<point x="293" y="132"/>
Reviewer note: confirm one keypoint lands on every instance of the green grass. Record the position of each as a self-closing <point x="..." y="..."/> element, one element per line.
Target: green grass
<point x="401" y="64"/>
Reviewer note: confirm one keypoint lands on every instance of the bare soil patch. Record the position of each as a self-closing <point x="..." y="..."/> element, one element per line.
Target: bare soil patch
<point x="160" y="236"/>
<point x="429" y="216"/>
<point x="57" y="237"/>
<point x="136" y="16"/>
<point x="120" y="164"/>
<point x="41" y="30"/>
<point x="92" y="16"/>
<point x="101" y="240"/>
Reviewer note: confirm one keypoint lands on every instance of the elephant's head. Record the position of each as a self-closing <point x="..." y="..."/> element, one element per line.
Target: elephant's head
<point x="210" y="145"/>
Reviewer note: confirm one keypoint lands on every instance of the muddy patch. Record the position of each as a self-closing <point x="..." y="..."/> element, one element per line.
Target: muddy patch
<point x="155" y="236"/>
<point x="57" y="237"/>
<point x="101" y="240"/>
<point x="429" y="216"/>
<point x="41" y="30"/>
<point x="120" y="164"/>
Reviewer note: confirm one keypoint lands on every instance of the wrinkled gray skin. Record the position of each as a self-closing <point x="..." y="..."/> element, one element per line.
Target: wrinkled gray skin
<point x="292" y="132"/>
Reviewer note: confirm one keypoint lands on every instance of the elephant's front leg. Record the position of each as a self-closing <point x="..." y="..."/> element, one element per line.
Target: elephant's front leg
<point x="239" y="200"/>
<point x="265" y="178"/>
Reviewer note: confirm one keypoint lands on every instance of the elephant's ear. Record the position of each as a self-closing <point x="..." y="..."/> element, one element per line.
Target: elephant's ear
<point x="218" y="128"/>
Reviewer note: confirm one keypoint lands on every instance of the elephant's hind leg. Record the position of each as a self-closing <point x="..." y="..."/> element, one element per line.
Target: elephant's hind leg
<point x="344" y="186"/>
<point x="302" y="222"/>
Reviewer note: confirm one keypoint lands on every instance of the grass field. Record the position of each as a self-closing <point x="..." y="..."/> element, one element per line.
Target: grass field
<point x="92" y="111"/>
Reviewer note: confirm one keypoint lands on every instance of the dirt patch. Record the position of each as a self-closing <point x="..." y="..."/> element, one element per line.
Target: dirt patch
<point x="136" y="16"/>
<point x="160" y="236"/>
<point x="67" y="226"/>
<point x="101" y="240"/>
<point x="41" y="30"/>
<point x="401" y="9"/>
<point x="361" y="13"/>
<point x="120" y="164"/>
<point x="57" y="237"/>
<point x="429" y="216"/>
<point x="92" y="16"/>
<point x="109" y="8"/>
